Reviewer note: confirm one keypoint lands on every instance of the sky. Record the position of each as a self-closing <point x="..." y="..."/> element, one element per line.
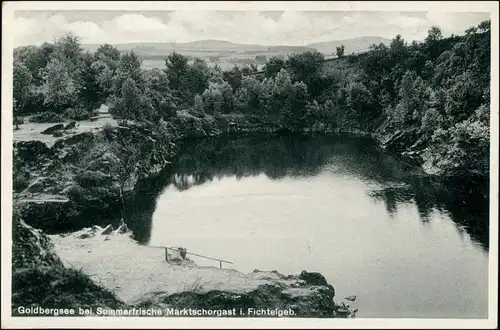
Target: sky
<point x="246" y="27"/>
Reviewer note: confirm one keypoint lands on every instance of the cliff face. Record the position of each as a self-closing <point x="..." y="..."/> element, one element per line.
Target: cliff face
<point x="85" y="176"/>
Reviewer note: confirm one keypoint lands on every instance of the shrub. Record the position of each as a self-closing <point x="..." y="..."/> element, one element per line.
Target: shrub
<point x="47" y="117"/>
<point x="76" y="114"/>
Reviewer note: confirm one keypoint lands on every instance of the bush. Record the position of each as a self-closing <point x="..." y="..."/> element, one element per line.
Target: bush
<point x="77" y="114"/>
<point x="58" y="286"/>
<point x="47" y="117"/>
<point x="20" y="177"/>
<point x="88" y="179"/>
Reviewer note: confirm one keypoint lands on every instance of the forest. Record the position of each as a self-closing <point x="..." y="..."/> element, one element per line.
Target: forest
<point x="435" y="92"/>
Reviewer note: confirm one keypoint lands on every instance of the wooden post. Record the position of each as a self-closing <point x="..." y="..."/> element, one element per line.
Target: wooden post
<point x="220" y="264"/>
<point x="166" y="254"/>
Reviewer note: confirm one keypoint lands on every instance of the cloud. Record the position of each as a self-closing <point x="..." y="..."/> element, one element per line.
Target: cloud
<point x="286" y="28"/>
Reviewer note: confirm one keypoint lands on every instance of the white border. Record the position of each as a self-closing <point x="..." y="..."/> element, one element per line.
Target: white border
<point x="161" y="322"/>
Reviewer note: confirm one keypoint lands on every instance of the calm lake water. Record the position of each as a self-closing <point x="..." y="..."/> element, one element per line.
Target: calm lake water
<point x="374" y="227"/>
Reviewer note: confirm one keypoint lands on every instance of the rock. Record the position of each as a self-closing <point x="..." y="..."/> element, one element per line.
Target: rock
<point x="57" y="134"/>
<point x="94" y="118"/>
<point x="313" y="278"/>
<point x="32" y="151"/>
<point x="412" y="157"/>
<point x="38" y="185"/>
<point x="70" y="125"/>
<point x="350" y="298"/>
<point x="84" y="236"/>
<point x="108" y="230"/>
<point x="53" y="129"/>
<point x="122" y="229"/>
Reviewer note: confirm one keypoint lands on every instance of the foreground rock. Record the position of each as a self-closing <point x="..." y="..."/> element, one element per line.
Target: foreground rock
<point x="39" y="277"/>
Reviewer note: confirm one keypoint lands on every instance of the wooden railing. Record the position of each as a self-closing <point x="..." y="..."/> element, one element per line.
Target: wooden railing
<point x="194" y="254"/>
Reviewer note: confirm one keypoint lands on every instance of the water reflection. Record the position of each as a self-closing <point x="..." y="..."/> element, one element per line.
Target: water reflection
<point x="391" y="181"/>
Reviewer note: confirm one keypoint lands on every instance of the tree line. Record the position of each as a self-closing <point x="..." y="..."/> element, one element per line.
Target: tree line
<point x="438" y="90"/>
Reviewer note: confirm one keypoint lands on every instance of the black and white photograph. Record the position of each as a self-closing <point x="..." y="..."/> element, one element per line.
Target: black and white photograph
<point x="284" y="163"/>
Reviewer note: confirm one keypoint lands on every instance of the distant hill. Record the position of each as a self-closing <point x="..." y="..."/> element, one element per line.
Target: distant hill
<point x="351" y="45"/>
<point x="227" y="54"/>
<point x="206" y="48"/>
<point x="202" y="47"/>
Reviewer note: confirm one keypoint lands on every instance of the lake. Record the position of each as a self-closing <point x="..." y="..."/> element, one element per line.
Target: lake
<point x="406" y="245"/>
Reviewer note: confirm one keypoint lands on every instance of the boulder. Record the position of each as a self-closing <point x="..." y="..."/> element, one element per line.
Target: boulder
<point x="313" y="278"/>
<point x="123" y="228"/>
<point x="70" y="125"/>
<point x="108" y="230"/>
<point x="57" y="134"/>
<point x="84" y="236"/>
<point x="412" y="157"/>
<point x="53" y="129"/>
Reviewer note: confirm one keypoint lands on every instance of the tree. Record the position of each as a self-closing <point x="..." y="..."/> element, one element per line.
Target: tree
<point x="90" y="93"/>
<point x="434" y="34"/>
<point x="198" y="75"/>
<point x="359" y="101"/>
<point x="484" y="26"/>
<point x="109" y="55"/>
<point x="432" y="42"/>
<point x="128" y="67"/>
<point x="463" y="98"/>
<point x="132" y="104"/>
<point x="105" y="77"/>
<point x="59" y="87"/>
<point x="35" y="59"/>
<point x="246" y="98"/>
<point x="218" y="98"/>
<point x="199" y="106"/>
<point x="69" y="51"/>
<point x="233" y="77"/>
<point x="273" y="66"/>
<point x="397" y="50"/>
<point x="414" y="98"/>
<point x="305" y="66"/>
<point x="294" y="110"/>
<point x="159" y="93"/>
<point x="22" y="80"/>
<point x="340" y="51"/>
<point x="177" y="69"/>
